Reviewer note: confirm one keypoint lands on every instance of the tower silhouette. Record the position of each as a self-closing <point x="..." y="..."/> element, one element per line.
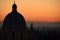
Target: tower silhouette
<point x="14" y="20"/>
<point x="31" y="26"/>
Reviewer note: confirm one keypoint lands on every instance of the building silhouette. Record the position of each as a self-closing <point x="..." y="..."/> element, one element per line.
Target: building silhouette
<point x="31" y="26"/>
<point x="14" y="26"/>
<point x="14" y="20"/>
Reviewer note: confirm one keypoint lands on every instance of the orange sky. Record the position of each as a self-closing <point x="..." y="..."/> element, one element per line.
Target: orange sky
<point x="33" y="10"/>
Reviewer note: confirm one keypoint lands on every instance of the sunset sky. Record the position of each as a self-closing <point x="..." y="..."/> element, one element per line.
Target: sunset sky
<point x="33" y="10"/>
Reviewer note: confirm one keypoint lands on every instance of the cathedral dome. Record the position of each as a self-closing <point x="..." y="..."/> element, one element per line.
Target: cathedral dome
<point x="14" y="19"/>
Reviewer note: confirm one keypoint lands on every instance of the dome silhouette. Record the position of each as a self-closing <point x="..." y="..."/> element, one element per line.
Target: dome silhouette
<point x="14" y="19"/>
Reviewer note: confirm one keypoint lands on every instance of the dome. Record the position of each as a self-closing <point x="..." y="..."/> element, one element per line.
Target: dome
<point x="14" y="19"/>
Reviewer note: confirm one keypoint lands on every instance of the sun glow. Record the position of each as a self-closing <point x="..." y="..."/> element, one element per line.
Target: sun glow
<point x="33" y="10"/>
